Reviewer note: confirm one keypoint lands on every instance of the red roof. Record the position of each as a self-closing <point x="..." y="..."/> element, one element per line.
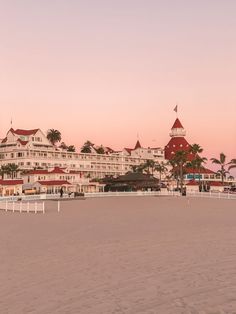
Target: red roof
<point x="192" y="182"/>
<point x="4" y="140"/>
<point x="11" y="182"/>
<point x="37" y="171"/>
<point x="54" y="182"/>
<point x="177" y="125"/>
<point x="211" y="183"/>
<point x="176" y="144"/>
<point x="24" y="132"/>
<point x="216" y="183"/>
<point x="201" y="171"/>
<point x="57" y="170"/>
<point x="138" y="145"/>
<point x="22" y="142"/>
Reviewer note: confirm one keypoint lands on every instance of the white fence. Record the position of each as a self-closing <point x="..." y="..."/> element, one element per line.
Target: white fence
<point x="42" y="197"/>
<point x="139" y="193"/>
<point x="29" y="207"/>
<point x="219" y="195"/>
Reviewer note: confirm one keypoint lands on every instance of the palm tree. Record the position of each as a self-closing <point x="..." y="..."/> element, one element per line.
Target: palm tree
<point x="3" y="171"/>
<point x="195" y="149"/>
<point x="63" y="146"/>
<point x="161" y="168"/>
<point x="86" y="149"/>
<point x="174" y="171"/>
<point x="100" y="150"/>
<point x="197" y="164"/>
<point x="12" y="169"/>
<point x="222" y="163"/>
<point x="54" y="136"/>
<point x="137" y="168"/>
<point x="180" y="159"/>
<point x="149" y="166"/>
<point x="232" y="164"/>
<point x="71" y="148"/>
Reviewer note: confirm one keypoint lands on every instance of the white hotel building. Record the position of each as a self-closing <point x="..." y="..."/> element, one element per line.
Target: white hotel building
<point x="30" y="149"/>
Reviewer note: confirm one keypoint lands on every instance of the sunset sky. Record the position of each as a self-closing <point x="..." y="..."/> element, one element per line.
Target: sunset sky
<point x="108" y="70"/>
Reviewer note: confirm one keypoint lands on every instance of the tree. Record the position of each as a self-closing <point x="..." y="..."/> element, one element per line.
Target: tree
<point x="12" y="169"/>
<point x="195" y="149"/>
<point x="3" y="171"/>
<point x="222" y="163"/>
<point x="149" y="166"/>
<point x="54" y="136"/>
<point x="197" y="165"/>
<point x="71" y="148"/>
<point x="180" y="160"/>
<point x="87" y="147"/>
<point x="100" y="150"/>
<point x="161" y="168"/>
<point x="137" y="168"/>
<point x="63" y="146"/>
<point x="232" y="164"/>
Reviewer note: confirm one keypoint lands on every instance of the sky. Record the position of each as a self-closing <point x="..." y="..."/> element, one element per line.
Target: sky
<point x="112" y="71"/>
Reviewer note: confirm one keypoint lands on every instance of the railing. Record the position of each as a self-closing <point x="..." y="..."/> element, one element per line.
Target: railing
<point x="27" y="207"/>
<point x="138" y="193"/>
<point x="219" y="195"/>
<point x="33" y="198"/>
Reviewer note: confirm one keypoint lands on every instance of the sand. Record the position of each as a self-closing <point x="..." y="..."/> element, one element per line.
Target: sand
<point x="126" y="255"/>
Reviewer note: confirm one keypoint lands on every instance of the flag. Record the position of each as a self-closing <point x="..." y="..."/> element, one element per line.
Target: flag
<point x="176" y="108"/>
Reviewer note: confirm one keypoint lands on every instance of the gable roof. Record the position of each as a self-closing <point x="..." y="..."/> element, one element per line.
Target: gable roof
<point x="22" y="142"/>
<point x="24" y="132"/>
<point x="57" y="170"/>
<point x="177" y="125"/>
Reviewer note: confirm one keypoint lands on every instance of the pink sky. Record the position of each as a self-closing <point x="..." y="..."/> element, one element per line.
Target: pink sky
<point x="107" y="70"/>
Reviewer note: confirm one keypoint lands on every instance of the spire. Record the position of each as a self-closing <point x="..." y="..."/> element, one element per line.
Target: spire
<point x="177" y="129"/>
<point x="138" y="145"/>
<point x="177" y="125"/>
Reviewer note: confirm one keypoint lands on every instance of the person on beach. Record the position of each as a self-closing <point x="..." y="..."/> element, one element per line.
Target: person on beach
<point x="61" y="192"/>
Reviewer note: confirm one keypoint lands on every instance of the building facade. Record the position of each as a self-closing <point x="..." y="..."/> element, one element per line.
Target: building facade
<point x="30" y="149"/>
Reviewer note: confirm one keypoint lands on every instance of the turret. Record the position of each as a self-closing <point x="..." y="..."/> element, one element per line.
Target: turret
<point x="177" y="129"/>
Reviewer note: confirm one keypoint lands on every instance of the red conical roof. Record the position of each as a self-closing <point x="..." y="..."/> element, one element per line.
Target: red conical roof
<point x="177" y="125"/>
<point x="138" y="145"/>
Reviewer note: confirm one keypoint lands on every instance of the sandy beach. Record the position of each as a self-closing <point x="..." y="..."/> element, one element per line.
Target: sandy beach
<point x="126" y="255"/>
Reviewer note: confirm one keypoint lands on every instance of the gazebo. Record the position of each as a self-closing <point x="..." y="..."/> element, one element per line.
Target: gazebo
<point x="132" y="181"/>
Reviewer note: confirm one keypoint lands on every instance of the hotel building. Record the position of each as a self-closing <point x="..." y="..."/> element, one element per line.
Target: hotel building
<point x="30" y="149"/>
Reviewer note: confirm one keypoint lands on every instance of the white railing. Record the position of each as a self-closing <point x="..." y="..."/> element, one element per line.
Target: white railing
<point x="139" y="193"/>
<point x="33" y="198"/>
<point x="27" y="207"/>
<point x="219" y="195"/>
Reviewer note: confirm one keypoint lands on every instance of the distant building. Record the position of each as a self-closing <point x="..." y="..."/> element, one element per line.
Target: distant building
<point x="30" y="149"/>
<point x="10" y="187"/>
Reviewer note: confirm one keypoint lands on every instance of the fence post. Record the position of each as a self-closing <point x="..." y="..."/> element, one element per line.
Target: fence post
<point x="6" y="206"/>
<point x="35" y="207"/>
<point x="58" y="206"/>
<point x="28" y="205"/>
<point x="43" y="208"/>
<point x="20" y="207"/>
<point x="13" y="207"/>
